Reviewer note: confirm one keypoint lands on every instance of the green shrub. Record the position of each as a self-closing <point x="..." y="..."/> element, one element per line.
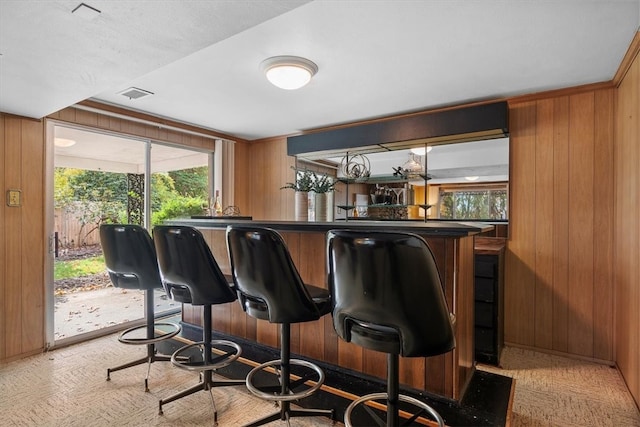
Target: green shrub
<point x="178" y="206"/>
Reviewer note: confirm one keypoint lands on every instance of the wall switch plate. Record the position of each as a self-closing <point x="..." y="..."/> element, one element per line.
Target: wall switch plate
<point x="14" y="198"/>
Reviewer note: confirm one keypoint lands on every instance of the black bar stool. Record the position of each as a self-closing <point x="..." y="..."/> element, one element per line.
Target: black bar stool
<point x="131" y="263"/>
<point x="191" y="275"/>
<point x="270" y="288"/>
<point x="387" y="297"/>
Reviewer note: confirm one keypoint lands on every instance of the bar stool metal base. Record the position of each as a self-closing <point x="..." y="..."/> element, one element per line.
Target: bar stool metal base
<point x="282" y="393"/>
<point x="289" y="396"/>
<point x="286" y="413"/>
<point x="126" y="338"/>
<point x="379" y="396"/>
<point x="206" y="368"/>
<point x="175" y="330"/>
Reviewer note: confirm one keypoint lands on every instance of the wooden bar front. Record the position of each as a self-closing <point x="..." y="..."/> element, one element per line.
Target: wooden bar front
<point x="446" y="375"/>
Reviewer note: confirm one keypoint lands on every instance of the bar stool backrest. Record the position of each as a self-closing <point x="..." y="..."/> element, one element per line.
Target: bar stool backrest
<point x="391" y="280"/>
<point x="130" y="256"/>
<point x="268" y="283"/>
<point x="190" y="273"/>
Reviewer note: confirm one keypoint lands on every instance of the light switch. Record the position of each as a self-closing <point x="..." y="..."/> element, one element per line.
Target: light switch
<point x="13" y="198"/>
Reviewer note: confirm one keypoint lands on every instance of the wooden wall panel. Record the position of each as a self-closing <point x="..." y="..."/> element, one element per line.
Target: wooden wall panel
<point x="558" y="263"/>
<point x="627" y="229"/>
<point x="581" y="197"/>
<point x="13" y="242"/>
<point x="311" y="247"/>
<point x="3" y="246"/>
<point x="242" y="178"/>
<point x="142" y="130"/>
<point x="465" y="324"/>
<point x="543" y="330"/>
<point x="32" y="289"/>
<point x="603" y="221"/>
<point x="22" y="239"/>
<point x="520" y="257"/>
<point x="271" y="168"/>
<point x="560" y="221"/>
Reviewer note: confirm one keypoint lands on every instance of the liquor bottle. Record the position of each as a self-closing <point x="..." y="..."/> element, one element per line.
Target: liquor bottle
<point x="217" y="206"/>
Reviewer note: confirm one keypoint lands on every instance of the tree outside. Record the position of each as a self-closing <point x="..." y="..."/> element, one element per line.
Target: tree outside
<point x="473" y="204"/>
<point x="101" y="197"/>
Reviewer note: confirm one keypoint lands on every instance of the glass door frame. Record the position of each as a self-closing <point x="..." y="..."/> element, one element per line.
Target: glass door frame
<point x="49" y="310"/>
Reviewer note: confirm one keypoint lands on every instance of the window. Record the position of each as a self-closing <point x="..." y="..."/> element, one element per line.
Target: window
<point x="474" y="202"/>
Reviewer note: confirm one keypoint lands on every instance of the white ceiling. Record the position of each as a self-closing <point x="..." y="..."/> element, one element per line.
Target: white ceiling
<point x="201" y="59"/>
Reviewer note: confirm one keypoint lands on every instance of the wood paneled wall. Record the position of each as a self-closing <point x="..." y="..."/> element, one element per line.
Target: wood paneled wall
<point x="271" y="168"/>
<point x="627" y="228"/>
<point x="242" y="177"/>
<point x="559" y="260"/>
<point x="22" y="238"/>
<point x="133" y="128"/>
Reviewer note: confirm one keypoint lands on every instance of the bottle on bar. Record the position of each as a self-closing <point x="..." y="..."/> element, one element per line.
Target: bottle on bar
<point x="217" y="206"/>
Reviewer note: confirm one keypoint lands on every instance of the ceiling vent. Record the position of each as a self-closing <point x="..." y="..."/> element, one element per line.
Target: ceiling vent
<point x="135" y="93"/>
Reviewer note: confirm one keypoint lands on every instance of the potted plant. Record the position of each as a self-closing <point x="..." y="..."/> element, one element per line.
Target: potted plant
<point x="303" y="184"/>
<point x="322" y="185"/>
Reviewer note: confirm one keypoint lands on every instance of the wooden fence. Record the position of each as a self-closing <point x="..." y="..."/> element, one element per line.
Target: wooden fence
<point x="70" y="231"/>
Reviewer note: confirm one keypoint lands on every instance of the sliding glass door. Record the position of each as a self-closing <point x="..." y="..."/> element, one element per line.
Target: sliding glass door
<point x="105" y="178"/>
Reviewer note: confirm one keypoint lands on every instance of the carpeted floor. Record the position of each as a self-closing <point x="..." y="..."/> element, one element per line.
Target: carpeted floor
<point x="558" y="391"/>
<point x="67" y="387"/>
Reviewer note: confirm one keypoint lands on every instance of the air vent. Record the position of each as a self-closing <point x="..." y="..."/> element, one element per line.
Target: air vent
<point x="135" y="93"/>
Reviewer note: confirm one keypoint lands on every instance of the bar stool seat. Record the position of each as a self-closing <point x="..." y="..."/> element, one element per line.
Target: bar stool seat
<point x="387" y="297"/>
<point x="270" y="288"/>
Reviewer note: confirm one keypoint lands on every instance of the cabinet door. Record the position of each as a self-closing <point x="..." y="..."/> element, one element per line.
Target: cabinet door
<point x="485" y="314"/>
<point x="486" y="266"/>
<point x="485" y="340"/>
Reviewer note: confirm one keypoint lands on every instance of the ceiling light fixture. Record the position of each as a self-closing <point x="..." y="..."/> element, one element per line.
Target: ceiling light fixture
<point x="471" y="178"/>
<point x="289" y="72"/>
<point x="421" y="151"/>
<point x="63" y="142"/>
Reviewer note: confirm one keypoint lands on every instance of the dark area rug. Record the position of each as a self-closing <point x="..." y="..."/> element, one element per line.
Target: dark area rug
<point x="485" y="402"/>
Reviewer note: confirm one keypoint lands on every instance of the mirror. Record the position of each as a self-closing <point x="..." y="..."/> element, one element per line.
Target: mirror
<point x="467" y="180"/>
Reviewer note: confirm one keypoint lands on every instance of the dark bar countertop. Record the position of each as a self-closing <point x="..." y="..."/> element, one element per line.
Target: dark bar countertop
<point x="435" y="228"/>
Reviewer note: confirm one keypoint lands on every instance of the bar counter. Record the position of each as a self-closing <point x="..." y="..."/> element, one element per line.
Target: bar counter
<point x="453" y="247"/>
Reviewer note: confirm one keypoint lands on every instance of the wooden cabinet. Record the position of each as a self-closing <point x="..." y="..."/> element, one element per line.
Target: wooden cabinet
<point x="488" y="300"/>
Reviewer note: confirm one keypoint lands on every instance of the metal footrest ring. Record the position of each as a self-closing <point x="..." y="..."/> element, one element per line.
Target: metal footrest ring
<point x="403" y="398"/>
<point x="175" y="330"/>
<point x="289" y="397"/>
<point x="223" y="358"/>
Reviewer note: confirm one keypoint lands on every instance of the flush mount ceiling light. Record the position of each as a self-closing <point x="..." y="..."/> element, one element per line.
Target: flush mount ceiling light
<point x="289" y="72"/>
<point x="63" y="142"/>
<point x="471" y="178"/>
<point x="420" y="151"/>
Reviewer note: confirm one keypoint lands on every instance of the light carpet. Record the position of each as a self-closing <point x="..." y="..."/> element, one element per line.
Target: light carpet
<point x="67" y="387"/>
